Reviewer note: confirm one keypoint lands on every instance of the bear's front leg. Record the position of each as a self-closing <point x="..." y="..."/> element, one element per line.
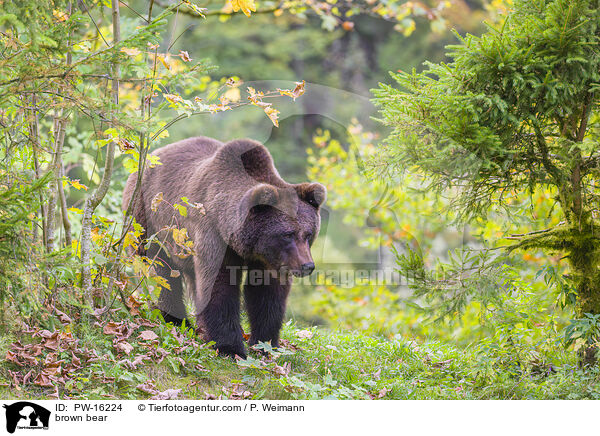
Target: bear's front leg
<point x="265" y="303"/>
<point x="220" y="319"/>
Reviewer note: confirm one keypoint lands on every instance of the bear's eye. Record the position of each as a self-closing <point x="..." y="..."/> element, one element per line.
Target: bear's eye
<point x="313" y="203"/>
<point x="288" y="236"/>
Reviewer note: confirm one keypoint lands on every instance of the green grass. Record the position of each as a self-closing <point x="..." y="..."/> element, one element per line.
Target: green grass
<point x="328" y="365"/>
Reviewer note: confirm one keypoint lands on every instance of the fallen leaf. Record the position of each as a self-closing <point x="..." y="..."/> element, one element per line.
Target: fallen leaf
<point x="124" y="347"/>
<point x="284" y="343"/>
<point x="52" y="342"/>
<point x="147" y="387"/>
<point x="52" y="370"/>
<point x="15" y="378"/>
<point x="27" y="377"/>
<point x="76" y="361"/>
<point x="283" y="370"/>
<point x="377" y="374"/>
<point x="12" y="357"/>
<point x="133" y="305"/>
<point x="304" y="334"/>
<point x="169" y="394"/>
<point x="382" y="392"/>
<point x="43" y="381"/>
<point x="112" y="328"/>
<point x="148" y="335"/>
<point x="63" y="317"/>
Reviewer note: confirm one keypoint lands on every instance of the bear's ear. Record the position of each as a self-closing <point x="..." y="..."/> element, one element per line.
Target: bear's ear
<point x="259" y="195"/>
<point x="314" y="194"/>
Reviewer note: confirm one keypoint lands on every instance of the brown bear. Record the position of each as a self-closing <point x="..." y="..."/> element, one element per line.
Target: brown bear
<point x="252" y="220"/>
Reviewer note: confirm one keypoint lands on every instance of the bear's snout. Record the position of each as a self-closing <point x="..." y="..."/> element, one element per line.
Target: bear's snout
<point x="307" y="268"/>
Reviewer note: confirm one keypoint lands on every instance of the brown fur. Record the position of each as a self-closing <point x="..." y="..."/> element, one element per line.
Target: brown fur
<point x="253" y="219"/>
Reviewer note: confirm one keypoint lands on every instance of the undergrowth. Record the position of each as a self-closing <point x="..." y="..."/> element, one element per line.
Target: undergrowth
<point x="113" y="355"/>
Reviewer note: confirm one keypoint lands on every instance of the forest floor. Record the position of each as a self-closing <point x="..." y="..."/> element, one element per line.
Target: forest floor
<point x="139" y="358"/>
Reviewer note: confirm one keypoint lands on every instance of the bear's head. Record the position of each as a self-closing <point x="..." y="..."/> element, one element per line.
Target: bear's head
<point x="279" y="226"/>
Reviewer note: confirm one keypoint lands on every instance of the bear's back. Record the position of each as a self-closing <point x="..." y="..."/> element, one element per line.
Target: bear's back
<point x="189" y="151"/>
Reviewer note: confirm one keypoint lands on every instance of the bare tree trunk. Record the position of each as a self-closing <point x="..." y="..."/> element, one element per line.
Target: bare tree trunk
<point x="96" y="197"/>
<point x="63" y="209"/>
<point x="34" y="133"/>
<point x="57" y="167"/>
<point x="59" y="138"/>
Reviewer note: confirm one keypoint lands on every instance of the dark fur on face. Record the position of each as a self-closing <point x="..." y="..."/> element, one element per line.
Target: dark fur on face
<point x="254" y="219"/>
<point x="280" y="228"/>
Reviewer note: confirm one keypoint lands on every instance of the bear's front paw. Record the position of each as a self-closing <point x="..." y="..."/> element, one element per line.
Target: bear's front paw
<point x="231" y="351"/>
<point x="172" y="319"/>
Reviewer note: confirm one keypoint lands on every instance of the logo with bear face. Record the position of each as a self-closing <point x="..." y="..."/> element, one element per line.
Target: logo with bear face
<point x="26" y="415"/>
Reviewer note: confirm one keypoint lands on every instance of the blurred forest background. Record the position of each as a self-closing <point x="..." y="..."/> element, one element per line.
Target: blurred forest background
<point x="507" y="329"/>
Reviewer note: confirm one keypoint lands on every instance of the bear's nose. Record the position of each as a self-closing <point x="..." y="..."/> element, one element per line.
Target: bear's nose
<point x="307" y="268"/>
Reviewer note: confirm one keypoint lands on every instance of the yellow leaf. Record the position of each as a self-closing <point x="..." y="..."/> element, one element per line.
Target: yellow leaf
<point x="245" y="5"/>
<point x="126" y="144"/>
<point x="60" y="15"/>
<point x="180" y="235"/>
<point x="182" y="209"/>
<point x="163" y="134"/>
<point x="232" y="94"/>
<point x="198" y="10"/>
<point x="254" y="95"/>
<point x="408" y="30"/>
<point x="158" y="198"/>
<point x="96" y="236"/>
<point x="174" y="99"/>
<point x="273" y="115"/>
<point x="184" y="55"/>
<point x="163" y="60"/>
<point x="162" y="282"/>
<point x="130" y="240"/>
<point x="296" y="92"/>
<point x="154" y="160"/>
<point x="75" y="184"/>
<point x="233" y="81"/>
<point x="139" y="267"/>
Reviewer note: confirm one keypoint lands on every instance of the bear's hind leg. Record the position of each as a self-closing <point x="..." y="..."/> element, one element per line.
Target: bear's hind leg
<point x="170" y="301"/>
<point x="265" y="304"/>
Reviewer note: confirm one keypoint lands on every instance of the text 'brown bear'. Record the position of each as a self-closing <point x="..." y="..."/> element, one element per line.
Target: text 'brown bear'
<point x="251" y="220"/>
